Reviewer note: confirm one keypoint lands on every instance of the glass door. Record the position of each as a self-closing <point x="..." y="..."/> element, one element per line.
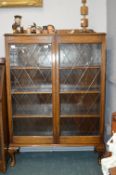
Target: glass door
<point x="31" y="89"/>
<point x="80" y="78"/>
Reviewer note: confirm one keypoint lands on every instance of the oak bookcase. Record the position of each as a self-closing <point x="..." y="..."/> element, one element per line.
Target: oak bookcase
<point x="55" y="89"/>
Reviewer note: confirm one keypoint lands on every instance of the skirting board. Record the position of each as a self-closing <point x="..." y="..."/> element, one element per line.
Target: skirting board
<point x="51" y="149"/>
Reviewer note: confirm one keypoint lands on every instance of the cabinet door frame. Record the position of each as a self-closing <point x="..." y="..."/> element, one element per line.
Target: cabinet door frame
<point x="84" y="39"/>
<point x="30" y="39"/>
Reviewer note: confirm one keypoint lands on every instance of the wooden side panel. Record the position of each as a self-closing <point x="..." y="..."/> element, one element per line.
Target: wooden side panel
<point x="3" y="122"/>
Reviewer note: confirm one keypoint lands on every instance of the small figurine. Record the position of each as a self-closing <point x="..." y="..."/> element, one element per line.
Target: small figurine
<point x="17" y="28"/>
<point x="45" y="30"/>
<point x="38" y="30"/>
<point x="28" y="30"/>
<point x="33" y="28"/>
<point x="110" y="162"/>
<point x="51" y="29"/>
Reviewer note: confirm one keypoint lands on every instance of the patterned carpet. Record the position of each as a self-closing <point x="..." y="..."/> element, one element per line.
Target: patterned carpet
<point x="56" y="163"/>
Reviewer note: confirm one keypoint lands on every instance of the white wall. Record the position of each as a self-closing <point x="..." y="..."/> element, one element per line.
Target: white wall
<point x="111" y="66"/>
<point x="61" y="13"/>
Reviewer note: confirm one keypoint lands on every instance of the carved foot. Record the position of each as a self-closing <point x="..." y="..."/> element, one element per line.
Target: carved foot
<point x="12" y="152"/>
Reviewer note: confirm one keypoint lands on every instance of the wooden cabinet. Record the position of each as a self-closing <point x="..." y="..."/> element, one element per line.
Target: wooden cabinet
<point x="56" y="89"/>
<point x="3" y="119"/>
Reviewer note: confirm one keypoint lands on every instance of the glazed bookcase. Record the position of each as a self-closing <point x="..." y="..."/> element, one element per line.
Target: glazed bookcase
<point x="56" y="89"/>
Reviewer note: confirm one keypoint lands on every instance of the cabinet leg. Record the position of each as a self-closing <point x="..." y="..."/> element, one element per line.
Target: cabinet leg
<point x="12" y="152"/>
<point x="101" y="150"/>
<point x="2" y="167"/>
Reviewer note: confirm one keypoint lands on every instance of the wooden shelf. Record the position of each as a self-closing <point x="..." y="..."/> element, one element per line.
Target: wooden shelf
<point x="61" y="116"/>
<point x="80" y="116"/>
<point x="80" y="67"/>
<point x="81" y="92"/>
<point x="61" y="68"/>
<point x="18" y="116"/>
<point x="29" y="92"/>
<point x="29" y="68"/>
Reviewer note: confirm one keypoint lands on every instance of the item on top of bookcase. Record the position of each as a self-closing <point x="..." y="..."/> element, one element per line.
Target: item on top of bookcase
<point x="33" y="28"/>
<point x="17" y="28"/>
<point x="51" y="29"/>
<point x="28" y="30"/>
<point x="38" y="29"/>
<point x="84" y="20"/>
<point x="45" y="30"/>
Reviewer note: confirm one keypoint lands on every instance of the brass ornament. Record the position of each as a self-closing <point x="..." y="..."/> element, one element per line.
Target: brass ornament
<point x="21" y="3"/>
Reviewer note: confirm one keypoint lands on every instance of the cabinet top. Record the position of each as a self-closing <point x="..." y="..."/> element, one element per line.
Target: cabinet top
<point x="58" y="33"/>
<point x="62" y="36"/>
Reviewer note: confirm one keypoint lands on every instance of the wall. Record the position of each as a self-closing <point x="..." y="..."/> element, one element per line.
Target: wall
<point x="61" y="13"/>
<point x="111" y="65"/>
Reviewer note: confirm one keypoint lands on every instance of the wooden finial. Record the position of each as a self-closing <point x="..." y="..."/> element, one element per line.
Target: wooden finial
<point x="84" y="1"/>
<point x="84" y="13"/>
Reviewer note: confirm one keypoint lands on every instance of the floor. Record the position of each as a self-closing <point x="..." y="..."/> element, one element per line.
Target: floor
<point x="56" y="163"/>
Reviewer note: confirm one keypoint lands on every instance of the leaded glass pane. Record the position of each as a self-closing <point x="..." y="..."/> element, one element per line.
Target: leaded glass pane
<point x="37" y="80"/>
<point x="32" y="104"/>
<point x="34" y="55"/>
<point x="80" y="54"/>
<point x="80" y="78"/>
<point x="79" y="126"/>
<point x="32" y="114"/>
<point x="80" y="104"/>
<point x="32" y="126"/>
<point x="31" y="88"/>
